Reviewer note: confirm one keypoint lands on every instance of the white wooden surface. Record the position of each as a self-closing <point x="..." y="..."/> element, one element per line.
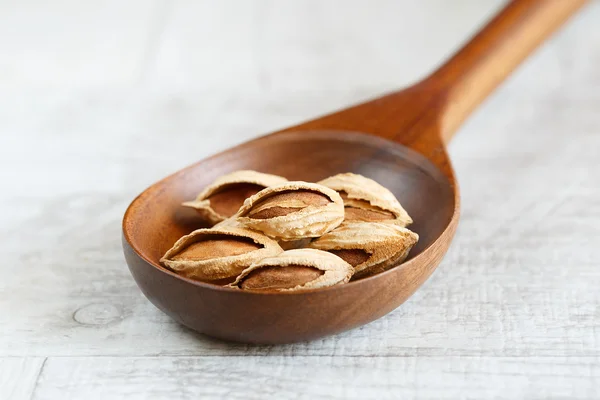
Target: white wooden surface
<point x="100" y="99"/>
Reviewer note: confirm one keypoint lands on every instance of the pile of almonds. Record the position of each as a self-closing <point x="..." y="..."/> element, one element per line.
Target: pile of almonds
<point x="270" y="234"/>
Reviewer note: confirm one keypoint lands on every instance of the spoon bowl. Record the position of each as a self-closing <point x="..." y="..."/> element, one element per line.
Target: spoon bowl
<point x="403" y="148"/>
<point x="155" y="220"/>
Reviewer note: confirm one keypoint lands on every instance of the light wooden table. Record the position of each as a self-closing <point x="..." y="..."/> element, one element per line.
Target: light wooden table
<point x="100" y="99"/>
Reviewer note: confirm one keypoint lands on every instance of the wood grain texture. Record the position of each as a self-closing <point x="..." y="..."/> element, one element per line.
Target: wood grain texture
<point x="520" y="280"/>
<point x="314" y="377"/>
<point x="19" y="376"/>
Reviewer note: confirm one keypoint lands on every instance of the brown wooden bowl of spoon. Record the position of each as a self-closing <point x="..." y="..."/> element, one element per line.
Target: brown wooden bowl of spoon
<point x="397" y="140"/>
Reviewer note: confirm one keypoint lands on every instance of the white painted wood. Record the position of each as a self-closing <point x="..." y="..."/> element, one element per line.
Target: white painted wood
<point x="70" y="44"/>
<point x="319" y="378"/>
<point x="92" y="112"/>
<point x="18" y="377"/>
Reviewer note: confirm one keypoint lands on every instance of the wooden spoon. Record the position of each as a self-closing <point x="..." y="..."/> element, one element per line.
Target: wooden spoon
<point x="403" y="148"/>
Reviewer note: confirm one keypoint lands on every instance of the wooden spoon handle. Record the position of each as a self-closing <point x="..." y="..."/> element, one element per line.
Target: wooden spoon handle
<point x="484" y="62"/>
<point x="426" y="115"/>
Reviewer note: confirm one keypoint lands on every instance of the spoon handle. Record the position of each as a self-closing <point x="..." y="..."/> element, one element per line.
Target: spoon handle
<point x="425" y="116"/>
<point x="493" y="53"/>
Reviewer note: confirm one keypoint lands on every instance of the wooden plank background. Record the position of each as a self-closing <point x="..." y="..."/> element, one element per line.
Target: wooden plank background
<point x="100" y="99"/>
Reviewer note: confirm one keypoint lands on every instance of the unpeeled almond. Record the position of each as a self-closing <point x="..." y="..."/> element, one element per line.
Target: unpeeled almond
<point x="370" y="247"/>
<point x="366" y="200"/>
<point x="218" y="255"/>
<point x="292" y="211"/>
<point x="295" y="270"/>
<point x="223" y="198"/>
